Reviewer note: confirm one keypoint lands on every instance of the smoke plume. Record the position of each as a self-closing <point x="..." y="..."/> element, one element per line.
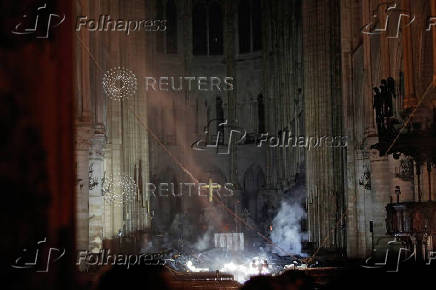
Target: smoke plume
<point x="286" y="226"/>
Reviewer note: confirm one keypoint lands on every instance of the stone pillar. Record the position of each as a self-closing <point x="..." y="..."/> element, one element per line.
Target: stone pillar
<point x="83" y="131"/>
<point x="83" y="134"/>
<point x="108" y="210"/>
<point x="433" y="31"/>
<point x="410" y="99"/>
<point x="381" y="183"/>
<point x="229" y="54"/>
<point x="96" y="199"/>
<point x="367" y="71"/>
<point x="323" y="118"/>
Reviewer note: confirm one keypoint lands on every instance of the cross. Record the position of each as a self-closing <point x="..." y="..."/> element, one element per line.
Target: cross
<point x="211" y="187"/>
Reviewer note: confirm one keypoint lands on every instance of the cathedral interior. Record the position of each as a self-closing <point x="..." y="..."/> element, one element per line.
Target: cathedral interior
<point x="218" y="144"/>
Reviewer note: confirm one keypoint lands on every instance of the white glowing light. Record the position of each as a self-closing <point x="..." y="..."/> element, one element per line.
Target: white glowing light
<point x="243" y="272"/>
<point x="192" y="268"/>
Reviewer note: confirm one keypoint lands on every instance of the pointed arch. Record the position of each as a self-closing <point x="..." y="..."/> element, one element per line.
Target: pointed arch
<point x="199" y="28"/>
<point x="253" y="183"/>
<point x="208" y="28"/>
<point x="171" y="27"/>
<point x="215" y="29"/>
<point x="250" y="25"/>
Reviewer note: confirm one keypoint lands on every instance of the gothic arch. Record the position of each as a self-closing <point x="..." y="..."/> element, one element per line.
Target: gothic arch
<point x="216" y="23"/>
<point x="253" y="183"/>
<point x="199" y="28"/>
<point x="208" y="28"/>
<point x="244" y="26"/>
<point x="172" y="27"/>
<point x="167" y="42"/>
<point x="249" y="25"/>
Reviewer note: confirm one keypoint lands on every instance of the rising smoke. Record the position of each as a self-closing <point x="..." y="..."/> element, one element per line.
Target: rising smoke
<point x="287" y="234"/>
<point x="204" y="242"/>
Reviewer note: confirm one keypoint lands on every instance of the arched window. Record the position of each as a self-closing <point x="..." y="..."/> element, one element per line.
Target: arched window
<point x="171" y="27"/>
<point x="257" y="24"/>
<point x="250" y="25"/>
<point x="244" y="26"/>
<point x="160" y="36"/>
<point x="199" y="29"/>
<point x="215" y="29"/>
<point x="166" y="41"/>
<point x="207" y="28"/>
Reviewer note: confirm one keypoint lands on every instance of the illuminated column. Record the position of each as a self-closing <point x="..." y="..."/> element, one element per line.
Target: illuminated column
<point x="83" y="135"/>
<point x="409" y="70"/>
<point x="96" y="201"/>
<point x="323" y="118"/>
<point x="229" y="54"/>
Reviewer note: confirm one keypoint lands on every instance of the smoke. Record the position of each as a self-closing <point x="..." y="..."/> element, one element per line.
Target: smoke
<point x="286" y="226"/>
<point x="203" y="243"/>
<point x="286" y="233"/>
<point x="205" y="240"/>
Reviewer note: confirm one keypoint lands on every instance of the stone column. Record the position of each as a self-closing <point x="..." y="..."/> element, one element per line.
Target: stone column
<point x="229" y="54"/>
<point x="83" y="135"/>
<point x="410" y="99"/>
<point x="433" y="31"/>
<point x="367" y="71"/>
<point x="96" y="199"/>
<point x="381" y="183"/>
<point x="323" y="118"/>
